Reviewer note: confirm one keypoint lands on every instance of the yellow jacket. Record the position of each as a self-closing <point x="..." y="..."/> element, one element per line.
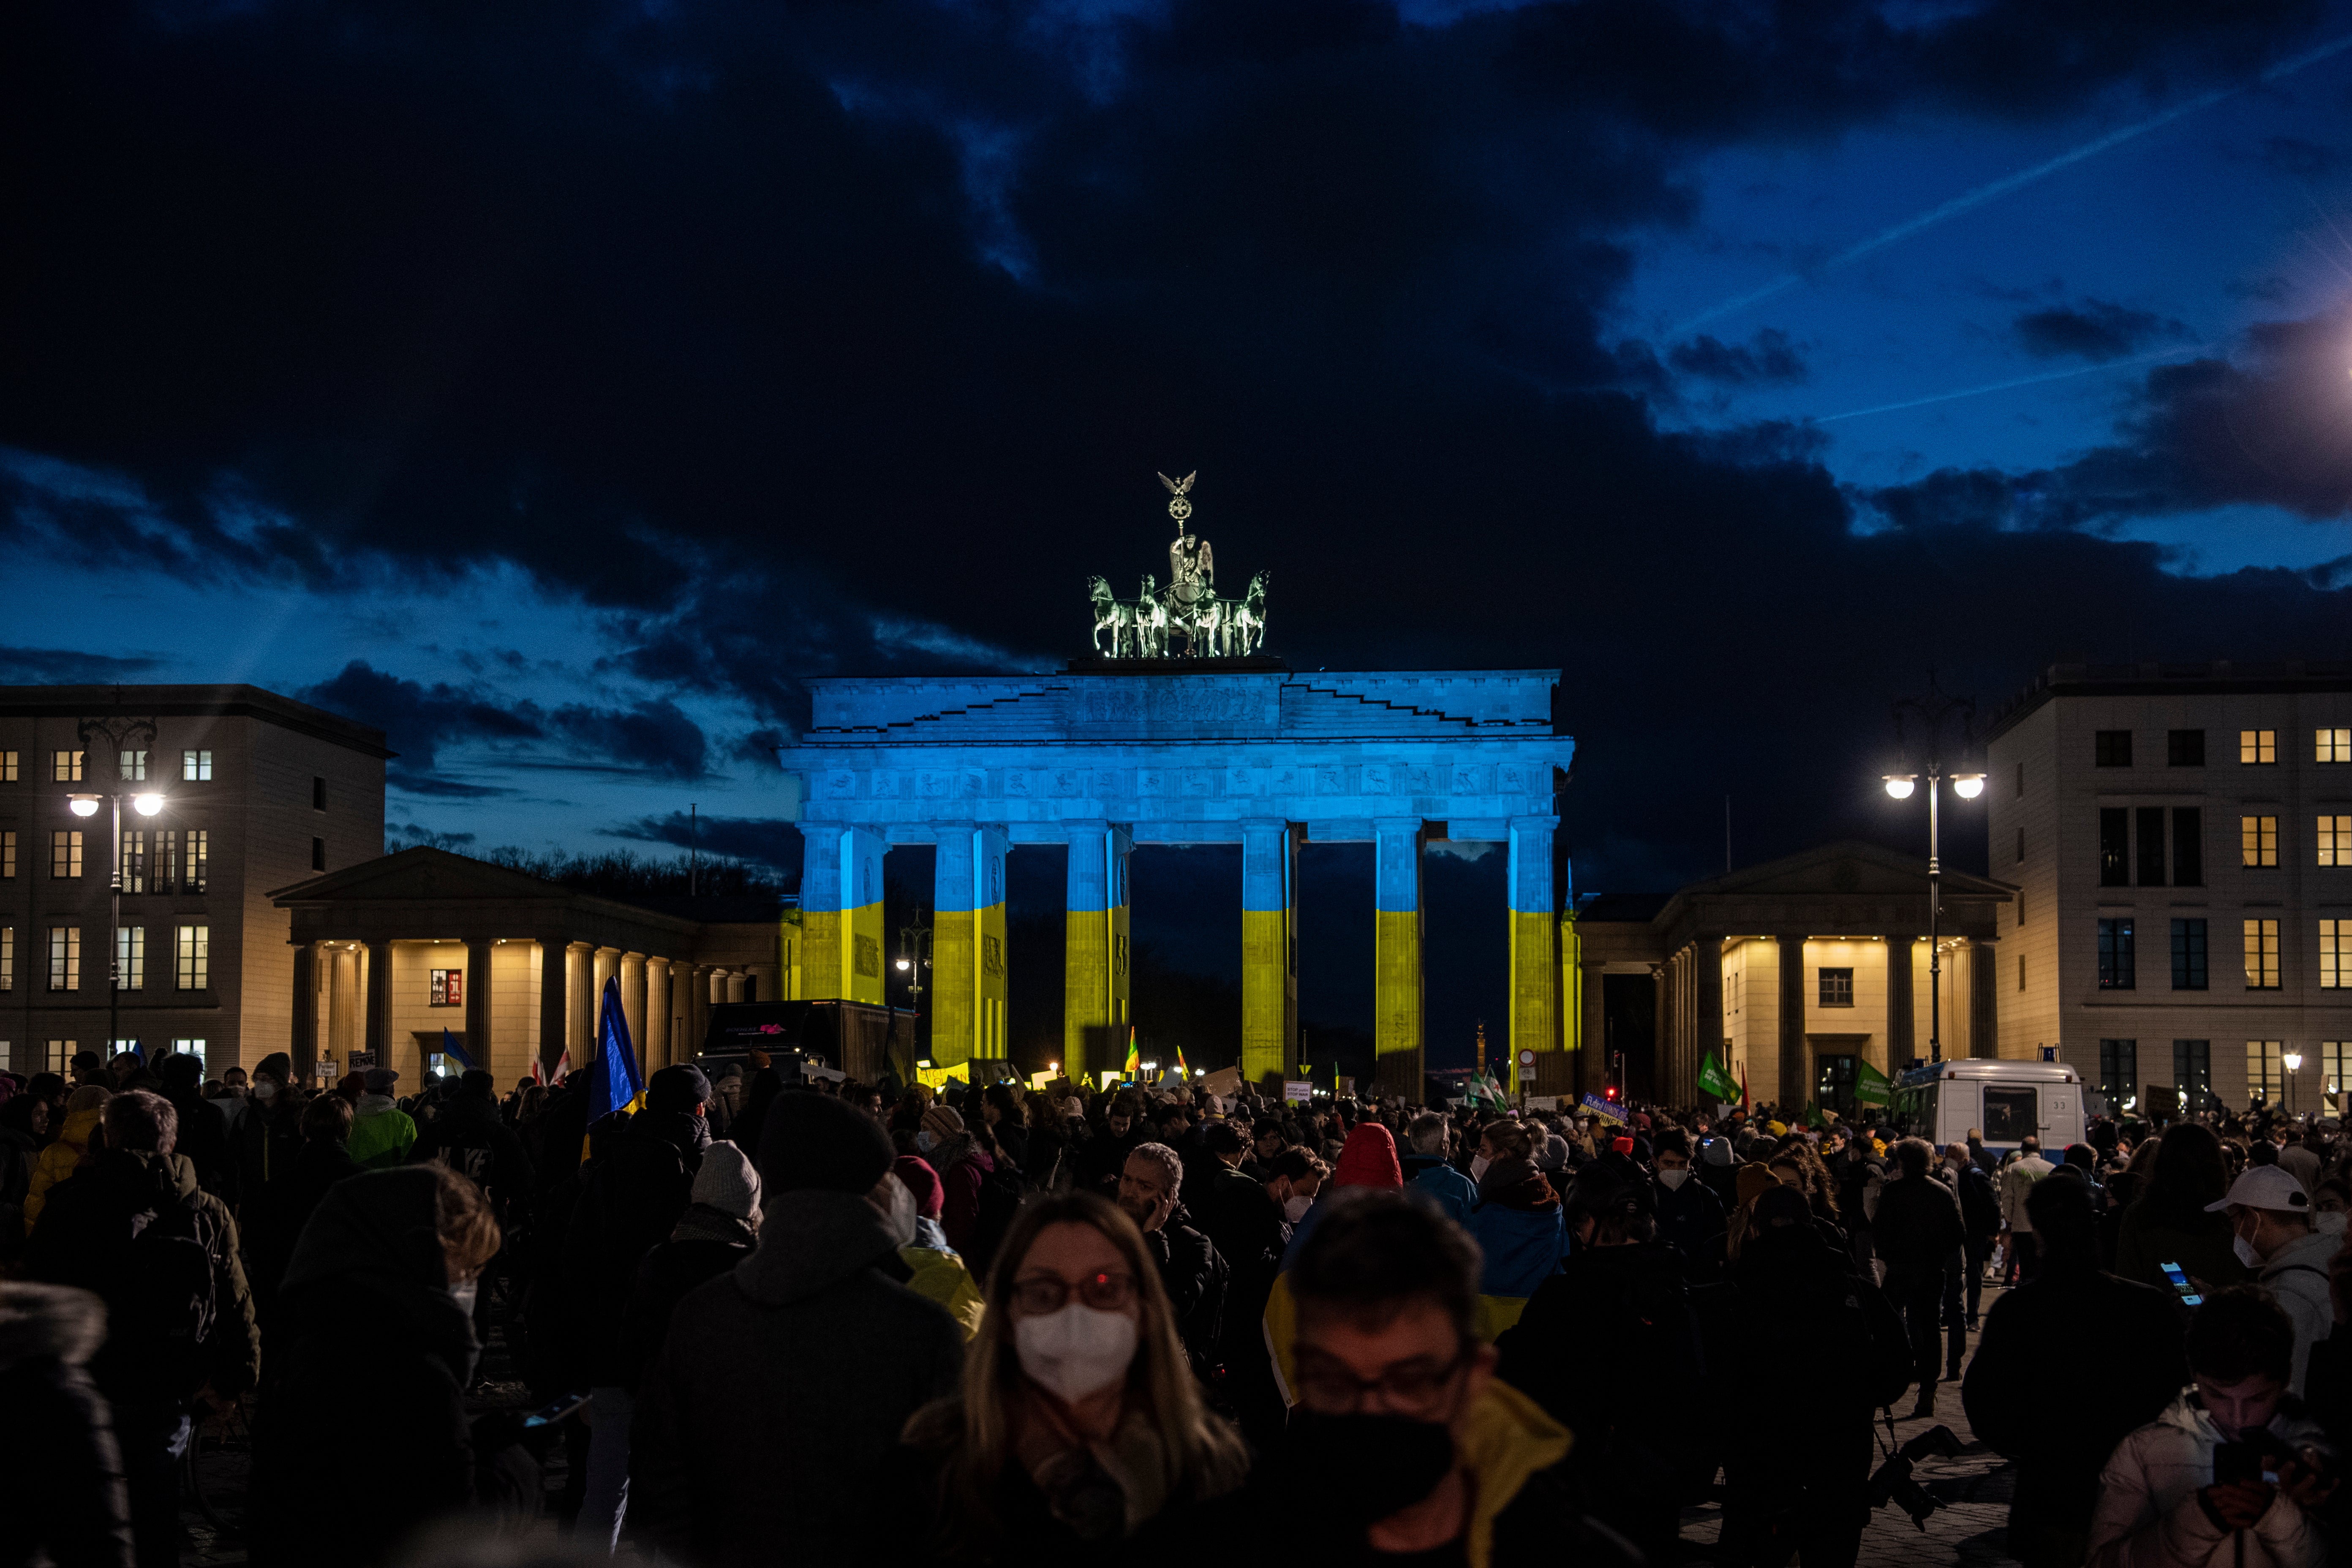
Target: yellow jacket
<point x="943" y="1277"/>
<point x="58" y="1162"/>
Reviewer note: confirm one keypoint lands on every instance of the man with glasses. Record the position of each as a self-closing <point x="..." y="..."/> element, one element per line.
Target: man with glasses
<point x="1403" y="1439"/>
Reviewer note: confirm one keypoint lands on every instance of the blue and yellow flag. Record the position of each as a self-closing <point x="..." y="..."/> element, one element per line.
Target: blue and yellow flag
<point x="619" y="1086"/>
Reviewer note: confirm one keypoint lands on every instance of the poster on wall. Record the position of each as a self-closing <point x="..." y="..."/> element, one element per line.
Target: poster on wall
<point x="448" y="988"/>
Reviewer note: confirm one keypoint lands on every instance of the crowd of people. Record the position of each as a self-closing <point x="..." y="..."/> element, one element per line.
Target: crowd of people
<point x="832" y="1322"/>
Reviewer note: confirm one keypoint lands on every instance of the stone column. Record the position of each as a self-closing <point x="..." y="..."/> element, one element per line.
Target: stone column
<point x="698" y="1023"/>
<point x="1535" y="968"/>
<point x="1399" y="1011"/>
<point x="1270" y="959"/>
<point x="343" y="1003"/>
<point x="303" y="1045"/>
<point x="735" y="978"/>
<point x="631" y="968"/>
<point x="1094" y="951"/>
<point x="1902" y="1033"/>
<point x="579" y="1006"/>
<point x="841" y="912"/>
<point x="379" y="1005"/>
<point x="684" y="975"/>
<point x="1706" y="1010"/>
<point x="554" y="1003"/>
<point x="1790" y="1084"/>
<point x="1591" y="1052"/>
<point x="1662" y="1012"/>
<point x="660" y="1050"/>
<point x="478" y="1042"/>
<point x="968" y="946"/>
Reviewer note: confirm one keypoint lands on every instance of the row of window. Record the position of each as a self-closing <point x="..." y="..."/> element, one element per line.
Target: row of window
<point x="2192" y="1069"/>
<point x="57" y="1055"/>
<point x="68" y="767"/>
<point x="154" y="860"/>
<point x="191" y="957"/>
<point x="2132" y="841"/>
<point x="2119" y="967"/>
<point x="2186" y="749"/>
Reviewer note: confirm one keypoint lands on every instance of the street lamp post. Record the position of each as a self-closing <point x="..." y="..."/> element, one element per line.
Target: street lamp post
<point x="1931" y="711"/>
<point x="146" y="803"/>
<point x="914" y="958"/>
<point x="2292" y="1062"/>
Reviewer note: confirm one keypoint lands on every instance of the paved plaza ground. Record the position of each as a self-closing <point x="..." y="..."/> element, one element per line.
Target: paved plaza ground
<point x="1969" y="1531"/>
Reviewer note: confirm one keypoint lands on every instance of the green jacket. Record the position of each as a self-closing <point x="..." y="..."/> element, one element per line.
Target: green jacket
<point x="382" y="1135"/>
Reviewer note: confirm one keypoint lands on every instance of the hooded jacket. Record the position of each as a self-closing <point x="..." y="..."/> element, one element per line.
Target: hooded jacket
<point x="1522" y="1232"/>
<point x="2297" y="1278"/>
<point x="58" y="1162"/>
<point x="66" y="1493"/>
<point x="396" y="1416"/>
<point x="2150" y="1515"/>
<point x="780" y="1388"/>
<point x="381" y="1134"/>
<point x="1429" y="1178"/>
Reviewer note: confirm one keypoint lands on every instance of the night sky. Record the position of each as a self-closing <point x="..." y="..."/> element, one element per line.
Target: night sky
<point x="555" y="384"/>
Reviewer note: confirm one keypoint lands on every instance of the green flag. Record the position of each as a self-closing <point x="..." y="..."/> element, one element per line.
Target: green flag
<point x="1814" y="1115"/>
<point x="1714" y="1080"/>
<point x="1872" y="1086"/>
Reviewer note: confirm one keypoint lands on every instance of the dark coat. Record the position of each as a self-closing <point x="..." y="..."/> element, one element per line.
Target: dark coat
<point x="388" y="1407"/>
<point x="635" y="1195"/>
<point x="1917" y="1228"/>
<point x="780" y="1389"/>
<point x="1691" y="1217"/>
<point x="66" y="1493"/>
<point x="319" y="1165"/>
<point x="707" y="1243"/>
<point x="267" y="1138"/>
<point x="1195" y="1277"/>
<point x="203" y="1137"/>
<point x="2104" y="1352"/>
<point x="469" y="1136"/>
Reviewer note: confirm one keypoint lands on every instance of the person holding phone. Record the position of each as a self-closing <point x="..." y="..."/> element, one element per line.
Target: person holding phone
<point x="2233" y="1472"/>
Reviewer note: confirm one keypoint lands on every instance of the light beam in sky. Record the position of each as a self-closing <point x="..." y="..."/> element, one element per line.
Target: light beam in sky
<point x="1968" y="201"/>
<point x="2006" y="386"/>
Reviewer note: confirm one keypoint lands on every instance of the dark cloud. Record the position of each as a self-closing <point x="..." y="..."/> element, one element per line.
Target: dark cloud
<point x="417" y="720"/>
<point x="2093" y="330"/>
<point x="1767" y="359"/>
<point x="752" y="840"/>
<point x="845" y="338"/>
<point x="2270" y="427"/>
<point x="55" y="665"/>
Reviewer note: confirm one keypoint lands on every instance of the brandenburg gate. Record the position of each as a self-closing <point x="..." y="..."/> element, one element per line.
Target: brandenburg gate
<point x="1219" y="746"/>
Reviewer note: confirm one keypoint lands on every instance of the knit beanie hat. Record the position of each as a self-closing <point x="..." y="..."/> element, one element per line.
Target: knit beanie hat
<point x="680" y="1087"/>
<point x="941" y="1121"/>
<point x="821" y="1142"/>
<point x="1752" y="1182"/>
<point x="726" y="1182"/>
<point x="931" y="1196"/>
<point x="1368" y="1159"/>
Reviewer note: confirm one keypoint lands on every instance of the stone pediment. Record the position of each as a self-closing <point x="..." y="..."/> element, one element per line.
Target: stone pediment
<point x="1849" y="869"/>
<point x="420" y="874"/>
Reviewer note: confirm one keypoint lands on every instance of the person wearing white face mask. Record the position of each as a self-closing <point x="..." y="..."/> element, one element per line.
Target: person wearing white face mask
<point x="1689" y="1213"/>
<point x="2330" y="1202"/>
<point x="2271" y="1230"/>
<point x="1079" y="1419"/>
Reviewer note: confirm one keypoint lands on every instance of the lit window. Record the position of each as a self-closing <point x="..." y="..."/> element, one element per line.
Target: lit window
<point x="193" y="972"/>
<point x="131" y="956"/>
<point x="2257" y="747"/>
<point x="2331" y="1064"/>
<point x="7" y="767"/>
<point x="196" y="767"/>
<point x="2336" y="840"/>
<point x="133" y="868"/>
<point x="8" y="958"/>
<point x="64" y="852"/>
<point x="2262" y="1070"/>
<point x="167" y="860"/>
<point x="2116" y="965"/>
<point x="2261" y="955"/>
<point x="1837" y="988"/>
<point x="2258" y="840"/>
<point x="2335" y="954"/>
<point x="66" y="767"/>
<point x="60" y="1055"/>
<point x="196" y="859"/>
<point x="2331" y="746"/>
<point x="134" y="767"/>
<point x="65" y="958"/>
<point x="2119" y="1071"/>
<point x="8" y="854"/>
<point x="2192" y="1071"/>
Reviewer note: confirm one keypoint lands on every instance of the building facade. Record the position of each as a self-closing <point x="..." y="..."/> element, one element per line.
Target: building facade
<point x="256" y="790"/>
<point x="2181" y="838"/>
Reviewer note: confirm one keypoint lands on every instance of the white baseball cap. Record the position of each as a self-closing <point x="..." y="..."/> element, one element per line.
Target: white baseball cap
<point x="2265" y="1187"/>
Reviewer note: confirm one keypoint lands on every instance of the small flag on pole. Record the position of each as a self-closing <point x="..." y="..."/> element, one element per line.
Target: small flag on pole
<point x="453" y="1051"/>
<point x="618" y="1084"/>
<point x="1134" y="1057"/>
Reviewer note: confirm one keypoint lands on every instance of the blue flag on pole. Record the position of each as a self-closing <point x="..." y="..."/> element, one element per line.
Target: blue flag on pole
<point x="619" y="1087"/>
<point x="453" y="1051"/>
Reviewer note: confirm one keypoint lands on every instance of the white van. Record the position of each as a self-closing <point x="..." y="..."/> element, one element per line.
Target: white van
<point x="2005" y="1100"/>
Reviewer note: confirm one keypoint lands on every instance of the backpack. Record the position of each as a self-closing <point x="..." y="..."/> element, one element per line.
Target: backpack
<point x="164" y="1307"/>
<point x="1000" y="1192"/>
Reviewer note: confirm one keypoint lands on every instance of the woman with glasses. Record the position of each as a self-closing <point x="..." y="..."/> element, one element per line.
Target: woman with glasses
<point x="1079" y="1419"/>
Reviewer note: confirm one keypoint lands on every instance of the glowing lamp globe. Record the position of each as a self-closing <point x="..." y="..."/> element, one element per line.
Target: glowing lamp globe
<point x="147" y="804"/>
<point x="83" y="806"/>
<point x="1900" y="786"/>
<point x="1968" y="786"/>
